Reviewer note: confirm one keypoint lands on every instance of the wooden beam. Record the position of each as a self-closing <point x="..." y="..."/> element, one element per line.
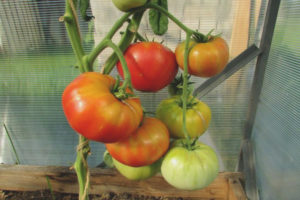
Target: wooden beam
<point x="62" y="179"/>
<point x="240" y="29"/>
<point x="235" y="190"/>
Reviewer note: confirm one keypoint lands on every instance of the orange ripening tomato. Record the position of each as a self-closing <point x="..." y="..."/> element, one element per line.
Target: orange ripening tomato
<point x="145" y="146"/>
<point x="94" y="112"/>
<point x="205" y="59"/>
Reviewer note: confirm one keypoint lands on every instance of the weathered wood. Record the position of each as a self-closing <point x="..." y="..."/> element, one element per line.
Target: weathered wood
<point x="235" y="190"/>
<point x="63" y="179"/>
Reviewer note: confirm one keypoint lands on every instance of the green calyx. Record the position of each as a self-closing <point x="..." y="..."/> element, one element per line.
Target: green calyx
<point x="119" y="91"/>
<point x="191" y="102"/>
<point x="191" y="144"/>
<point x="176" y="86"/>
<point x="201" y="38"/>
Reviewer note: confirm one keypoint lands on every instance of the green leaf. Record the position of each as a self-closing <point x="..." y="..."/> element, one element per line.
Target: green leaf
<point x="158" y="21"/>
<point x="83" y="6"/>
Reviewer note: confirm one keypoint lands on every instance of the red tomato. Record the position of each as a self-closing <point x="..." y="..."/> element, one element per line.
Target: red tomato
<point x="143" y="147"/>
<point x="152" y="66"/>
<point x="204" y="59"/>
<point x="94" y="112"/>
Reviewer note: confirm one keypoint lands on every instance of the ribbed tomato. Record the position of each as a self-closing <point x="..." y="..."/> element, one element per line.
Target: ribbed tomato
<point x="190" y="169"/>
<point x="205" y="59"/>
<point x="152" y="66"/>
<point x="94" y="112"/>
<point x="198" y="116"/>
<point x="144" y="146"/>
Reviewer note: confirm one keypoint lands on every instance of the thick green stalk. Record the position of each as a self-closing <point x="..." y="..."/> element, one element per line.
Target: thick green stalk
<point x="71" y="23"/>
<point x="80" y="165"/>
<point x="185" y="94"/>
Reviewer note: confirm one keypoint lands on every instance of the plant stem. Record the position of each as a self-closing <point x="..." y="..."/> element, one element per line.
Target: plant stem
<point x="185" y="89"/>
<point x="99" y="48"/>
<point x="81" y="167"/>
<point x="12" y="144"/>
<point x="125" y="41"/>
<point x="172" y="17"/>
<point x="127" y="76"/>
<point x="50" y="188"/>
<point x="72" y="26"/>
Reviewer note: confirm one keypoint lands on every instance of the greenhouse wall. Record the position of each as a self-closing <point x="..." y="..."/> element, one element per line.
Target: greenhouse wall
<point x="276" y="131"/>
<point x="37" y="63"/>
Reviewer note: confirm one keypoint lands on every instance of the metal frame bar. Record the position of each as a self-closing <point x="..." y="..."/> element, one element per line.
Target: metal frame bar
<point x="236" y="64"/>
<point x="247" y="160"/>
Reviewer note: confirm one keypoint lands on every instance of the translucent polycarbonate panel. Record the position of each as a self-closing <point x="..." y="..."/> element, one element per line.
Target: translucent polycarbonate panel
<point x="37" y="63"/>
<point x="276" y="133"/>
<point x="229" y="104"/>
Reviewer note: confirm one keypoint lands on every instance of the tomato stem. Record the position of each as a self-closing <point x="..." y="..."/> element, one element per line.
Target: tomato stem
<point x="185" y="93"/>
<point x="126" y="39"/>
<point x="127" y="76"/>
<point x="81" y="167"/>
<point x="99" y="48"/>
<point x="174" y="19"/>
<point x="71" y="22"/>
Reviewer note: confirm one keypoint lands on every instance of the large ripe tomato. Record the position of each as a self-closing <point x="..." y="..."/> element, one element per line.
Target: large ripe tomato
<point x="138" y="173"/>
<point x="94" y="112"/>
<point x="204" y="59"/>
<point x="125" y="5"/>
<point x="144" y="146"/>
<point x="152" y="66"/>
<point x="198" y="116"/>
<point x="190" y="169"/>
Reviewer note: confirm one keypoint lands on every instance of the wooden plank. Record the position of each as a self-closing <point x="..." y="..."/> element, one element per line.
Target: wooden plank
<point x="62" y="179"/>
<point x="240" y="29"/>
<point x="235" y="190"/>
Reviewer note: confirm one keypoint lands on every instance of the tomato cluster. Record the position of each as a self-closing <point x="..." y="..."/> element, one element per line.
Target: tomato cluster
<point x="141" y="146"/>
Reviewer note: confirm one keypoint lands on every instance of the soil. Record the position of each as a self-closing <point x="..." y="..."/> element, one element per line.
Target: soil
<point x="46" y="195"/>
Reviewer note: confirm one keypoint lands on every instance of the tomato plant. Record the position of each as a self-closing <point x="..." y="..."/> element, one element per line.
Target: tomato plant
<point x="152" y="66"/>
<point x="93" y="111"/>
<point x="144" y="146"/>
<point x="198" y="116"/>
<point x="99" y="109"/>
<point x="190" y="169"/>
<point x="205" y="59"/>
<point x="125" y="5"/>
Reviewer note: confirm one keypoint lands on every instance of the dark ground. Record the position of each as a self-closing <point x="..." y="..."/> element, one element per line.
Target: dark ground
<point x="46" y="195"/>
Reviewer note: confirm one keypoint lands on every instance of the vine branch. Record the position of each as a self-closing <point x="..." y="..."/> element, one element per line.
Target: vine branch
<point x="185" y="94"/>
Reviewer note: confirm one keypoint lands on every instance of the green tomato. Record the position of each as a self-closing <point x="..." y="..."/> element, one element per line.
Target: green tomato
<point x="125" y="5"/>
<point x="138" y="173"/>
<point x="198" y="116"/>
<point x="190" y="169"/>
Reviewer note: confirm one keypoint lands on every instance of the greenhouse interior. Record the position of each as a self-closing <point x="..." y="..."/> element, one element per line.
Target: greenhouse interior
<point x="150" y="99"/>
